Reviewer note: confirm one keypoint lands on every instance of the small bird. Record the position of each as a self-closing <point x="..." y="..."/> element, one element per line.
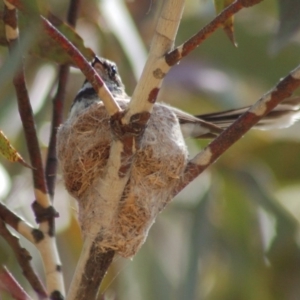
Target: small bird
<point x="199" y="126"/>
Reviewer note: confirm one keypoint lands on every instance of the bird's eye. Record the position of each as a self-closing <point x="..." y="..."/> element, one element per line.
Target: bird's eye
<point x="112" y="71"/>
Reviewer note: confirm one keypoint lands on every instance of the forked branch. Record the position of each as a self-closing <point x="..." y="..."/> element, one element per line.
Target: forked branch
<point x="161" y="58"/>
<point x="191" y="44"/>
<point x="23" y="258"/>
<point x="147" y="89"/>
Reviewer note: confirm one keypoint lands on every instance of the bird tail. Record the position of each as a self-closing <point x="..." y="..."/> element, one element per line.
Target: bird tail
<point x="282" y="116"/>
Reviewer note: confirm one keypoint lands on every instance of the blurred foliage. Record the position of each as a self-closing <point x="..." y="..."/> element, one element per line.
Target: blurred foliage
<point x="234" y="232"/>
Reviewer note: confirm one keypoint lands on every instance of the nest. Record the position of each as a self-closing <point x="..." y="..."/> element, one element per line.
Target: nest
<point x="83" y="149"/>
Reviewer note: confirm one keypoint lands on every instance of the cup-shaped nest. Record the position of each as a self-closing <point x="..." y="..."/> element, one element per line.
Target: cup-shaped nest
<point x="83" y="150"/>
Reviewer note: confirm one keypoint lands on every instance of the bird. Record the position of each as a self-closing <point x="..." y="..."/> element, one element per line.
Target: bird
<point x="192" y="126"/>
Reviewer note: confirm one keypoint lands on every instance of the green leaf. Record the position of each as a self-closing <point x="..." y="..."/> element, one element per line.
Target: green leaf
<point x="289" y="23"/>
<point x="9" y="152"/>
<point x="228" y="24"/>
<point x="49" y="49"/>
<point x="43" y="46"/>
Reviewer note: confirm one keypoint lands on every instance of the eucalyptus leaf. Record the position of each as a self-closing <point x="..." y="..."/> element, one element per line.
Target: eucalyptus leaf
<point x="49" y="49"/>
<point x="43" y="46"/>
<point x="9" y="152"/>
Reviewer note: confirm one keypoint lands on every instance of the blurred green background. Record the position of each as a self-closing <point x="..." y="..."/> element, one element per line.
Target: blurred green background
<point x="234" y="232"/>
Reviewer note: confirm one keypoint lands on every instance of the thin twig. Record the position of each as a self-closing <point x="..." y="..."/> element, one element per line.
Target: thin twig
<point x="10" y="284"/>
<point x="57" y="118"/>
<point x="183" y="50"/>
<point x="217" y="147"/>
<point x="32" y="234"/>
<point x="92" y="76"/>
<point x="23" y="258"/>
<point x="58" y="105"/>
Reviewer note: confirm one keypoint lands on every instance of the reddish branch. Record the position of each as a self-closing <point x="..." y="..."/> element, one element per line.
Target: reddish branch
<point x="75" y="55"/>
<point x="23" y="258"/>
<point x="217" y="147"/>
<point x="30" y="132"/>
<point x="57" y="118"/>
<point x="178" y="53"/>
<point x="9" y="284"/>
<point x="92" y="76"/>
<point x="58" y="105"/>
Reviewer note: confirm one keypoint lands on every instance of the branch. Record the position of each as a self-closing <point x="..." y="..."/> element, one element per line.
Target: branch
<point x="217" y="147"/>
<point x="44" y="211"/>
<point x="89" y="272"/>
<point x="39" y="239"/>
<point x="183" y="50"/>
<point x="23" y="258"/>
<point x="9" y="284"/>
<point x="57" y="119"/>
<point x="92" y="76"/>
<point x="58" y="105"/>
<point x="32" y="234"/>
<point x="147" y="89"/>
<point x="160" y="58"/>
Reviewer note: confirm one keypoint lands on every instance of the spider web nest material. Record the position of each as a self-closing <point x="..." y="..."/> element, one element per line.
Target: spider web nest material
<point x="83" y="149"/>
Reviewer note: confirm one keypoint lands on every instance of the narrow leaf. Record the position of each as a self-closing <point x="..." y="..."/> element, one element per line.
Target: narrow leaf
<point x="49" y="49"/>
<point x="289" y="23"/>
<point x="9" y="152"/>
<point x="228" y="24"/>
<point x="44" y="46"/>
